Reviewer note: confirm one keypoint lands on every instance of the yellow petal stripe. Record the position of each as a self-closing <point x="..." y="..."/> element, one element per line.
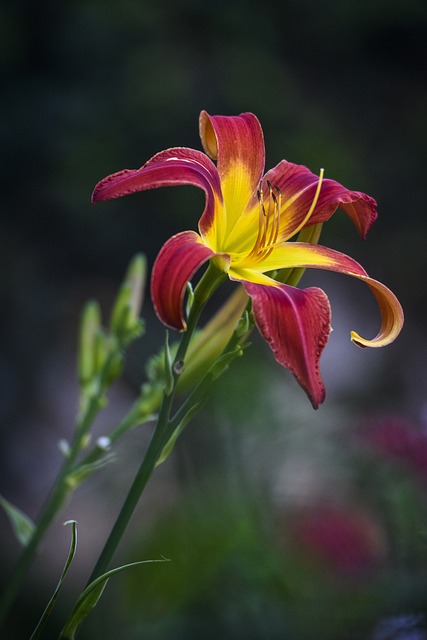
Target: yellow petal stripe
<point x="299" y="254"/>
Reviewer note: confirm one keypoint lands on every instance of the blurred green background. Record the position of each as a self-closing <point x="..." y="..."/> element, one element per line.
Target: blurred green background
<point x="93" y="86"/>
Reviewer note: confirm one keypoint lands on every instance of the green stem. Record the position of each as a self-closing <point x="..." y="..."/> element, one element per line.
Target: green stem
<point x="163" y="430"/>
<point x="51" y="508"/>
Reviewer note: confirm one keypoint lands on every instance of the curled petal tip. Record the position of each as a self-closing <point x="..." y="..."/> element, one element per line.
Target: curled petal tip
<point x="357" y="339"/>
<point x="392" y="317"/>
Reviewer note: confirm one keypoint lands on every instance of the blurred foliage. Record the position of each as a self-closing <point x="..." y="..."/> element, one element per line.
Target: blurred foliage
<point x="247" y="564"/>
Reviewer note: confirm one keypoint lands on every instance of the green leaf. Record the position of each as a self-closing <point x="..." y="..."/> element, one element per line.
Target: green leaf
<point x="168" y="448"/>
<point x="22" y="526"/>
<point x="80" y="473"/>
<point x="72" y="552"/>
<point x="89" y="598"/>
<point x="215" y="371"/>
<point x="223" y="362"/>
<point x="197" y="398"/>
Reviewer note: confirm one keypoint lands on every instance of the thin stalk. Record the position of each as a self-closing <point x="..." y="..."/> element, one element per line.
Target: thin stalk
<point x="163" y="430"/>
<point x="51" y="508"/>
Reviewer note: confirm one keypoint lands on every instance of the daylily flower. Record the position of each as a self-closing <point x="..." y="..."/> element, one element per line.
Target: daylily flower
<point x="246" y="228"/>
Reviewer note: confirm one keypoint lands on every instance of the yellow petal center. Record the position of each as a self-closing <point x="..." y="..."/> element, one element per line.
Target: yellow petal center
<point x="267" y="238"/>
<point x="268" y="225"/>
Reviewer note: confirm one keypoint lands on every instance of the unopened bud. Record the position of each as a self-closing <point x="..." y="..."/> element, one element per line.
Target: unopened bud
<point x="125" y="322"/>
<point x="101" y="350"/>
<point x="89" y="329"/>
<point x="114" y="368"/>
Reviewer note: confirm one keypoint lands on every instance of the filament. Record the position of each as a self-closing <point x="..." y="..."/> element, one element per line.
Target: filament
<point x="268" y="224"/>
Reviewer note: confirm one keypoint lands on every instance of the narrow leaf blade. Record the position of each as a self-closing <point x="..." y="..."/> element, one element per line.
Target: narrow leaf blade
<point x="89" y="598"/>
<point x="22" y="526"/>
<point x="46" y="613"/>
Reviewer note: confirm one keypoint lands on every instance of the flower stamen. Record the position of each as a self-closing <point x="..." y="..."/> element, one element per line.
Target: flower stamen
<point x="269" y="224"/>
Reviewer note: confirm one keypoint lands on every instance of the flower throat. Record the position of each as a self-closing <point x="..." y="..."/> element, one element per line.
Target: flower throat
<point x="269" y="221"/>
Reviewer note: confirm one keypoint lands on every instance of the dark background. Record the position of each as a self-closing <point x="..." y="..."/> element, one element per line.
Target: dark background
<point x="90" y="87"/>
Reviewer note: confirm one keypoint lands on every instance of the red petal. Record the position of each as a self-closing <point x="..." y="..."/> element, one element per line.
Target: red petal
<point x="178" y="260"/>
<point x="177" y="166"/>
<point x="235" y="141"/>
<point x="298" y="186"/>
<point x="296" y="325"/>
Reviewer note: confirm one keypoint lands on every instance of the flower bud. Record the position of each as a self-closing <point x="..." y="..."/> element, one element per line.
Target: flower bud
<point x="89" y="330"/>
<point x="125" y="322"/>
